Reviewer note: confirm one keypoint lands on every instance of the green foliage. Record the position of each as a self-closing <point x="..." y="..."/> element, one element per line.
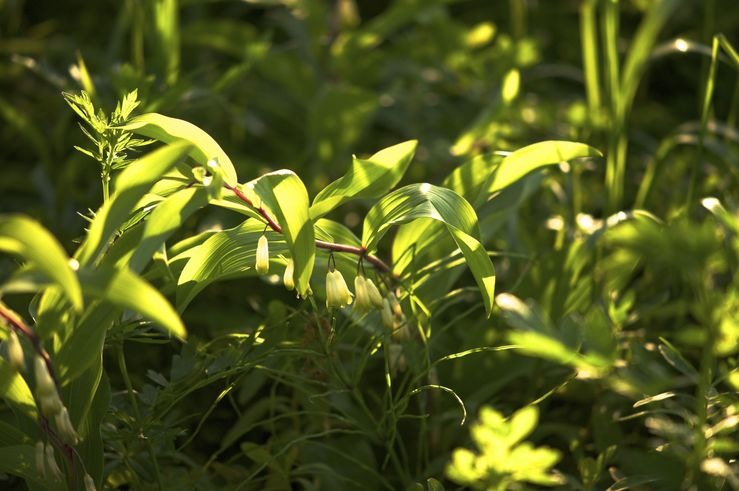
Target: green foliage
<point x="548" y="216"/>
<point x="504" y="459"/>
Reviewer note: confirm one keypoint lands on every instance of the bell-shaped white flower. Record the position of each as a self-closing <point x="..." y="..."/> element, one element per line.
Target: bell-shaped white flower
<point x="374" y="294"/>
<point x="15" y="352"/>
<point x="287" y="278"/>
<point x="262" y="265"/>
<point x="368" y="296"/>
<point x="51" y="462"/>
<point x="65" y="428"/>
<point x="337" y="293"/>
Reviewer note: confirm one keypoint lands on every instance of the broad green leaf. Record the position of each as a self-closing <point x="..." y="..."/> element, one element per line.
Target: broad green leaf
<point x="168" y="130"/>
<point x="331" y="231"/>
<point x="166" y="218"/>
<point x="11" y="435"/>
<point x="369" y="178"/>
<point x="131" y="185"/>
<point x="286" y="199"/>
<point x="25" y="237"/>
<point x="124" y="289"/>
<point x="444" y="205"/>
<point x="13" y="388"/>
<point x="531" y="157"/>
<point x="227" y="254"/>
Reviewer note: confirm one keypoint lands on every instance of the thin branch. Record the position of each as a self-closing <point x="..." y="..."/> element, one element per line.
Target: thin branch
<point x="360" y="251"/>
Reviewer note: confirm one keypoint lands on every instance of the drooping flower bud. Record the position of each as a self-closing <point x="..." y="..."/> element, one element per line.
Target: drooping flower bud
<point x="402" y="332"/>
<point x="287" y="278"/>
<point x="363" y="303"/>
<point x="374" y="294"/>
<point x="89" y="483"/>
<point x="40" y="459"/>
<point x="51" y="462"/>
<point x="65" y="428"/>
<point x="46" y="389"/>
<point x="262" y="265"/>
<point x="15" y="352"/>
<point x="337" y="293"/>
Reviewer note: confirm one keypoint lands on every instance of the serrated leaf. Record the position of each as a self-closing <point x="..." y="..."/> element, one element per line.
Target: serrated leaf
<point x="287" y="199"/>
<point x="125" y="289"/>
<point x="131" y="185"/>
<point x="531" y="157"/>
<point x="227" y="254"/>
<point x="369" y="178"/>
<point x="25" y="237"/>
<point x="441" y="204"/>
<point x="168" y="130"/>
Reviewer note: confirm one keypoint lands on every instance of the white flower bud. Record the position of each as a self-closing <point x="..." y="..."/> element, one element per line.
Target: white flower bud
<point x="287" y="278"/>
<point x="363" y="303"/>
<point x="51" y="462"/>
<point x="262" y="265"/>
<point x="374" y="294"/>
<point x="89" y="483"/>
<point x="40" y="458"/>
<point x="65" y="428"/>
<point x="15" y="352"/>
<point x="337" y="293"/>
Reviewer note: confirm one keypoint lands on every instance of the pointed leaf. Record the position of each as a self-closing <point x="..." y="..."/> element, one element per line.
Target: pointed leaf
<point x="441" y="204"/>
<point x="14" y="389"/>
<point x="168" y="130"/>
<point x="125" y="289"/>
<point x="369" y="178"/>
<point x="285" y="196"/>
<point x="25" y="237"/>
<point x="531" y="157"/>
<point x="227" y="254"/>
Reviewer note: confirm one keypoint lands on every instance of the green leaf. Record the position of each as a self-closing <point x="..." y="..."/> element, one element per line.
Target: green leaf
<point x="531" y="157"/>
<point x="131" y="185"/>
<point x="286" y="198"/>
<point x="85" y="345"/>
<point x="369" y="178"/>
<point x="13" y="388"/>
<point x="227" y="254"/>
<point x="127" y="290"/>
<point x="441" y="204"/>
<point x="166" y="218"/>
<point x="331" y="231"/>
<point x="168" y="130"/>
<point x="25" y="237"/>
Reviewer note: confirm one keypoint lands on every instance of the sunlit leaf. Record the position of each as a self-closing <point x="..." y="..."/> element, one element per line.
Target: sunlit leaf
<point x="168" y="130"/>
<point x="526" y="159"/>
<point x="287" y="200"/>
<point x="125" y="289"/>
<point x="368" y="178"/>
<point x="227" y="254"/>
<point x="444" y="205"/>
<point x="13" y="388"/>
<point x="131" y="185"/>
<point x="26" y="238"/>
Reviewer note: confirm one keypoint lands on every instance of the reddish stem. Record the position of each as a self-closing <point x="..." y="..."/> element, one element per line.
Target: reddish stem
<point x="375" y="261"/>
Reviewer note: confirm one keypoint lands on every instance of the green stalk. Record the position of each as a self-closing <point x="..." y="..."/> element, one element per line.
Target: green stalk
<point x="610" y="25"/>
<point x="589" y="46"/>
